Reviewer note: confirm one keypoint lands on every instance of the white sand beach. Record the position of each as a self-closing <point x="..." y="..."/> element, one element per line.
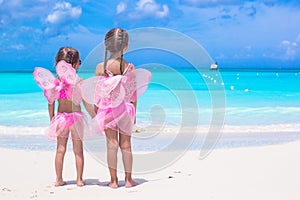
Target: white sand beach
<point x="269" y="172"/>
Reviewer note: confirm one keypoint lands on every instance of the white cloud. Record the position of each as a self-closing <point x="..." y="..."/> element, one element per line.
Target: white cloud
<point x="62" y="17"/>
<point x="289" y="49"/>
<point x="163" y="13"/>
<point x="150" y="8"/>
<point x="63" y="12"/>
<point x="18" y="46"/>
<point x="121" y="7"/>
<point x="143" y="9"/>
<point x="285" y="43"/>
<point x="146" y="5"/>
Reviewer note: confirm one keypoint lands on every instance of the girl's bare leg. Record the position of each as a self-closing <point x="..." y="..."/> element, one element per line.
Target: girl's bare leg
<point x="112" y="151"/>
<point x="59" y="159"/>
<point x="78" y="151"/>
<point x="125" y="145"/>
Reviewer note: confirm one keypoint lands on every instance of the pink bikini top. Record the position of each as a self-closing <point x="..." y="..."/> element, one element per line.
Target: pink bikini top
<point x="62" y="87"/>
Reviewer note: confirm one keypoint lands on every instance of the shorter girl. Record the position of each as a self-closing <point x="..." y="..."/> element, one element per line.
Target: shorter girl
<point x="69" y="118"/>
<point x="117" y="88"/>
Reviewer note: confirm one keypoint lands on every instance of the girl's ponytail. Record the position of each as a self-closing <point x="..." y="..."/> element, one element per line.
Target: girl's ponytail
<point x="105" y="60"/>
<point x="121" y="62"/>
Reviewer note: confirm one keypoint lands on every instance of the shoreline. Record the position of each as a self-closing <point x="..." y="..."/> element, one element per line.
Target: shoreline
<point x="156" y="139"/>
<point x="160" y="142"/>
<point x="268" y="172"/>
<point x="168" y="129"/>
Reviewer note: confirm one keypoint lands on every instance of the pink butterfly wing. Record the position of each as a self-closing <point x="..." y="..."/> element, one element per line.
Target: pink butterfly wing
<point x="136" y="84"/>
<point x="66" y="72"/>
<point x="46" y="81"/>
<point x="44" y="78"/>
<point x="51" y="95"/>
<point x="88" y="88"/>
<point x="117" y="95"/>
<point x="107" y="92"/>
<point x="74" y="94"/>
<point x="102" y="91"/>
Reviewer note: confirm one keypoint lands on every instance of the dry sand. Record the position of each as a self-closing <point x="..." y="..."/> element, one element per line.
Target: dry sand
<point x="269" y="172"/>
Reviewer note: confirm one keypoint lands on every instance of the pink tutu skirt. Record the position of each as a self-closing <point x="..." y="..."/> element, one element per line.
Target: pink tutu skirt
<point x="120" y="119"/>
<point x="65" y="123"/>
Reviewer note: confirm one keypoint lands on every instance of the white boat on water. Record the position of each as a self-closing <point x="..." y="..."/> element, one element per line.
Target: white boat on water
<point x="214" y="66"/>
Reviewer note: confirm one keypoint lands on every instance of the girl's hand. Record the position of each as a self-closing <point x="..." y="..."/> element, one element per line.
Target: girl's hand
<point x="89" y="108"/>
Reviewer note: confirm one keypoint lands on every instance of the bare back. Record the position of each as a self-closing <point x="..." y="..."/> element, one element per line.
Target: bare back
<point x="113" y="66"/>
<point x="67" y="106"/>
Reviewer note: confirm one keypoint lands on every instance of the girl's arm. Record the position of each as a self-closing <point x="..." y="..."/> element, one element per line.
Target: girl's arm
<point x="89" y="108"/>
<point x="51" y="110"/>
<point x="134" y="104"/>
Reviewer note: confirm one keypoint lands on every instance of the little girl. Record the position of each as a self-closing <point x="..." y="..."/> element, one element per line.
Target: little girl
<point x="118" y="86"/>
<point x="69" y="118"/>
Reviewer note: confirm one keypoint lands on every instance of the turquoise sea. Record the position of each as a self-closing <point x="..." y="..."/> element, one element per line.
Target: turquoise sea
<point x="261" y="106"/>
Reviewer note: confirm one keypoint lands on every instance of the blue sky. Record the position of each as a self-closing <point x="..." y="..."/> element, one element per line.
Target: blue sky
<point x="235" y="33"/>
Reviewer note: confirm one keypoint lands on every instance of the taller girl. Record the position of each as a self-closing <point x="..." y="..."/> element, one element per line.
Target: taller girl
<point x="120" y="85"/>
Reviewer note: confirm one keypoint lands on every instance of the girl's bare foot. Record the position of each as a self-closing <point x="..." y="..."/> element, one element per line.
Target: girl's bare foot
<point x="80" y="183"/>
<point x="130" y="183"/>
<point x="113" y="184"/>
<point x="59" y="183"/>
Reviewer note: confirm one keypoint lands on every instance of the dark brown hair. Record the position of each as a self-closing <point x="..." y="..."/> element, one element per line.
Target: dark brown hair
<point x="68" y="54"/>
<point x="116" y="40"/>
